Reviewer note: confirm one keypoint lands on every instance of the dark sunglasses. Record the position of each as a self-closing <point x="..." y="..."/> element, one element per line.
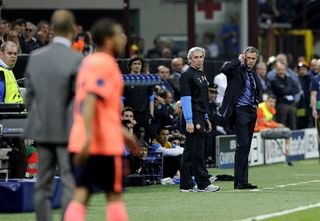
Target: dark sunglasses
<point x="28" y="30"/>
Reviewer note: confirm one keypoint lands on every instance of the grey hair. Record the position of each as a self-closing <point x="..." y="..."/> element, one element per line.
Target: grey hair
<point x="251" y="49"/>
<point x="194" y="49"/>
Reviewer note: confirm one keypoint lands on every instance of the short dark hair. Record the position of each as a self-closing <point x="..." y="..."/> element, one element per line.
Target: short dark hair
<point x="127" y="109"/>
<point x="251" y="49"/>
<point x="104" y="27"/>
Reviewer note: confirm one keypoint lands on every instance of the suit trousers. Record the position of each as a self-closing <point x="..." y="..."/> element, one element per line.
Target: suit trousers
<point x="245" y="119"/>
<point x="51" y="156"/>
<point x="193" y="162"/>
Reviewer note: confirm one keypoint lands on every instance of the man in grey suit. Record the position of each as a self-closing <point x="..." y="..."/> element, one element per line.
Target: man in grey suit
<point x="51" y="73"/>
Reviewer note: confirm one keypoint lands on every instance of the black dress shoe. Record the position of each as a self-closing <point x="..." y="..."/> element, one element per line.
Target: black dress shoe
<point x="243" y="186"/>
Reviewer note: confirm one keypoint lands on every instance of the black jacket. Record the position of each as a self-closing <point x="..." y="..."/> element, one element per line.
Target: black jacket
<point x="236" y="77"/>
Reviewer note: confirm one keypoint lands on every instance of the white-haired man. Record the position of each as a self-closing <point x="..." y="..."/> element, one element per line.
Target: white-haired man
<point x="194" y="100"/>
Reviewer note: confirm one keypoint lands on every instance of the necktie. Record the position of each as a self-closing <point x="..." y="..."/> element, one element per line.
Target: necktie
<point x="253" y="89"/>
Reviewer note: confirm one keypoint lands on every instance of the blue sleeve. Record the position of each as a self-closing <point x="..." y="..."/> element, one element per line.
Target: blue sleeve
<point x="206" y="116"/>
<point x="151" y="98"/>
<point x="155" y="146"/>
<point x="186" y="108"/>
<point x="2" y="88"/>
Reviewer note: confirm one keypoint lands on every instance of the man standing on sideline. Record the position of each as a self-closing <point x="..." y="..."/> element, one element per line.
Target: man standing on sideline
<point x="96" y="139"/>
<point x="239" y="106"/>
<point x="194" y="100"/>
<point x="51" y="73"/>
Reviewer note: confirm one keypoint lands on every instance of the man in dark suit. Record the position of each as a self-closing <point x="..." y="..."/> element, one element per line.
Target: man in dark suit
<point x="51" y="73"/>
<point x="239" y="106"/>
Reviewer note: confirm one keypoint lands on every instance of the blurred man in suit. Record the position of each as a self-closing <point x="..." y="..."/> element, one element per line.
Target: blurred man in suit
<point x="51" y="73"/>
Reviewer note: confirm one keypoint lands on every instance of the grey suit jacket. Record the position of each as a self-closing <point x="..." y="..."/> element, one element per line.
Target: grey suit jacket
<point x="51" y="74"/>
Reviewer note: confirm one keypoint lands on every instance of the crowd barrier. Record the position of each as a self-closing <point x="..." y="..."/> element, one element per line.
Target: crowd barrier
<point x="303" y="145"/>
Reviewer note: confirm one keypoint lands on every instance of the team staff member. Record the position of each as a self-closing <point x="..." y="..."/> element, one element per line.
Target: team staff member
<point x="240" y="107"/>
<point x="194" y="99"/>
<point x="96" y="138"/>
<point x="9" y="90"/>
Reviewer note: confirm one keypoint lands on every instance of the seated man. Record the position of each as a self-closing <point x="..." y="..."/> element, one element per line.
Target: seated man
<point x="266" y="112"/>
<point x="171" y="153"/>
<point x="9" y="90"/>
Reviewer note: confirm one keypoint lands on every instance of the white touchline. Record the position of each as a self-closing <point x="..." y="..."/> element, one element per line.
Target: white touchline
<point x="281" y="213"/>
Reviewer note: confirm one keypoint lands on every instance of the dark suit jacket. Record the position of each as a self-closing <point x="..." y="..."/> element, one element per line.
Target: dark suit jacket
<point x="51" y="73"/>
<point x="236" y="77"/>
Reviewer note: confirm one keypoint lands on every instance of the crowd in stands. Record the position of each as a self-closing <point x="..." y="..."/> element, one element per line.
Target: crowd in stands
<point x="153" y="113"/>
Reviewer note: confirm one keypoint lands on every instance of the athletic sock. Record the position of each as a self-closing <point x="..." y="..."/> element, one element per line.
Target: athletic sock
<point x="116" y="211"/>
<point x="75" y="212"/>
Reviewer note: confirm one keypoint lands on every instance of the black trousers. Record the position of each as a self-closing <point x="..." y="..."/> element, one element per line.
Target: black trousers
<point x="193" y="162"/>
<point x="245" y="119"/>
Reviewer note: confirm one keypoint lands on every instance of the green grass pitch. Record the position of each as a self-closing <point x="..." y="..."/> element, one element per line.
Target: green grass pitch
<point x="280" y="188"/>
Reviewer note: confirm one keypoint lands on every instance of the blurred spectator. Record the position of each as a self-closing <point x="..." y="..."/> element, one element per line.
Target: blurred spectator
<point x="177" y="122"/>
<point x="261" y="70"/>
<point x="314" y="68"/>
<point x="230" y="36"/>
<point x="266" y="113"/>
<point x="140" y="98"/>
<point x="169" y="44"/>
<point x="177" y="69"/>
<point x="167" y="53"/>
<point x="268" y="11"/>
<point x="284" y="88"/>
<point x="171" y="153"/>
<point x="32" y="159"/>
<point x="282" y="58"/>
<point x="19" y="25"/>
<point x="137" y="46"/>
<point x="30" y="41"/>
<point x="315" y="99"/>
<point x="42" y="38"/>
<point x="155" y="52"/>
<point x="221" y="81"/>
<point x="164" y="73"/>
<point x="303" y="107"/>
<point x="210" y="143"/>
<point x="43" y="26"/>
<point x="13" y="36"/>
<point x="128" y="114"/>
<point x="3" y="31"/>
<point x="271" y="64"/>
<point x="162" y="114"/>
<point x="208" y="42"/>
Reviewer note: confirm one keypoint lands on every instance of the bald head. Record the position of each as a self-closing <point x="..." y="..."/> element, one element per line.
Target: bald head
<point x="282" y="58"/>
<point x="63" y="22"/>
<point x="177" y="65"/>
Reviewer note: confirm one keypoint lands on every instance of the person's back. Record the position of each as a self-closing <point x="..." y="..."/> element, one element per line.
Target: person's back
<point x="50" y="77"/>
<point x="51" y="73"/>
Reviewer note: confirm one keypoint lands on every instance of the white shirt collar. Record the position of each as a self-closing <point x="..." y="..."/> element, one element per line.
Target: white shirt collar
<point x="62" y="40"/>
<point x="4" y="64"/>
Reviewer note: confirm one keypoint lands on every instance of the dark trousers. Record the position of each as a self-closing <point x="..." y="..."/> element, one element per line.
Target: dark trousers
<point x="193" y="163"/>
<point x="286" y="114"/>
<point x="245" y="119"/>
<point x="171" y="165"/>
